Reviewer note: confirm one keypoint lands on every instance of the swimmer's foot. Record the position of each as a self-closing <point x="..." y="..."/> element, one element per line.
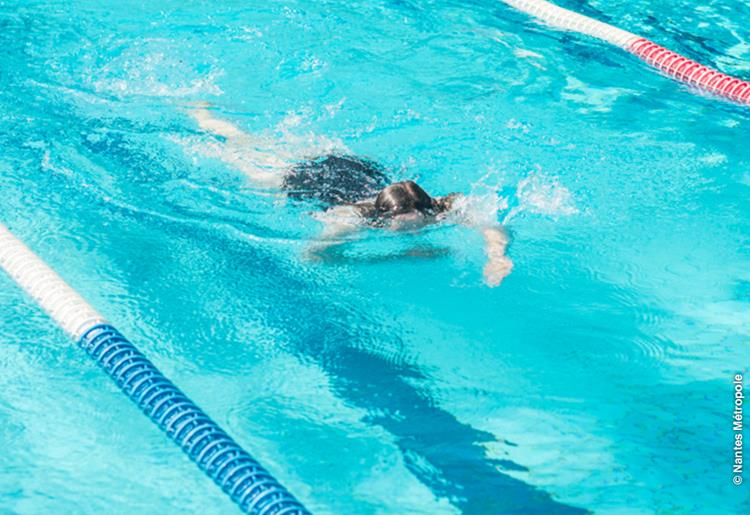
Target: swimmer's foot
<point x="209" y="123"/>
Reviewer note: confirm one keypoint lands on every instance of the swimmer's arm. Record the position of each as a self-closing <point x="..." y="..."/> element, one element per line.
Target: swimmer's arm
<point x="496" y="239"/>
<point x="498" y="264"/>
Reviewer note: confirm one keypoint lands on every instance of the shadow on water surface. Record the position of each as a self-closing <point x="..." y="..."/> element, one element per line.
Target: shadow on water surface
<point x="339" y="254"/>
<point x="443" y="453"/>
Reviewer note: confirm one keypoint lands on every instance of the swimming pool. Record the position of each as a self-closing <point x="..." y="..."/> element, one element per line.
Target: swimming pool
<point x="597" y="377"/>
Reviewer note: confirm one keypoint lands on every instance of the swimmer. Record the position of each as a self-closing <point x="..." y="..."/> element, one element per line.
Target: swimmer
<point x="353" y="192"/>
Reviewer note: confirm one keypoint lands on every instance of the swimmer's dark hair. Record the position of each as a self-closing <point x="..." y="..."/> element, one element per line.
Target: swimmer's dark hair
<point x="403" y="197"/>
<point x="406" y="197"/>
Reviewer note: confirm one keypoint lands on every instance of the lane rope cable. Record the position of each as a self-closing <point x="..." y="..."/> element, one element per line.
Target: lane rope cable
<point x="672" y="64"/>
<point x="238" y="474"/>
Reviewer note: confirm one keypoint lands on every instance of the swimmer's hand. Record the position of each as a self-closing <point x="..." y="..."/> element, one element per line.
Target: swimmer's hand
<point x="496" y="270"/>
<point x="498" y="264"/>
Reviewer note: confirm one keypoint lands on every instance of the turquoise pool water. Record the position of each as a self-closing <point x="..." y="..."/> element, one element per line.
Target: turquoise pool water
<point x="597" y="377"/>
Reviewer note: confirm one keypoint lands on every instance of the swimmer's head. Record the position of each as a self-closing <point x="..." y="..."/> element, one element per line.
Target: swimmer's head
<point x="402" y="198"/>
<point x="406" y="205"/>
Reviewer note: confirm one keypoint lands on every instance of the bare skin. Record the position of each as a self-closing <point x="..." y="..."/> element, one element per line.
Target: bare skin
<point x="498" y="264"/>
<point x="266" y="167"/>
<point x="243" y="151"/>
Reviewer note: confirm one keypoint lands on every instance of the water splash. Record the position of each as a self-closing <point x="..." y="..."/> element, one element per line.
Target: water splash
<point x="536" y="193"/>
<point x="543" y="195"/>
<point x="294" y="136"/>
<point x="156" y="68"/>
<point x="481" y="209"/>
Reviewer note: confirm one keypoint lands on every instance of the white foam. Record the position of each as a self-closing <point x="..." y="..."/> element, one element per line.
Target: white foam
<point x="480" y="210"/>
<point x="155" y="67"/>
<point x="544" y="195"/>
<point x="300" y="143"/>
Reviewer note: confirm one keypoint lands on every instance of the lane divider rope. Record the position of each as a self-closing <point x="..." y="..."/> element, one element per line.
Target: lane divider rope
<point x="670" y="63"/>
<point x="239" y="475"/>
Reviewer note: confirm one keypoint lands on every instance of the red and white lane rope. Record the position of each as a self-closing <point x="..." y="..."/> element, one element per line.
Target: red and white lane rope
<point x="670" y="63"/>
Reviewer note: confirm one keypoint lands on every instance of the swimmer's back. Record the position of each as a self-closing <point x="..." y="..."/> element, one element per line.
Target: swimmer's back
<point x="335" y="179"/>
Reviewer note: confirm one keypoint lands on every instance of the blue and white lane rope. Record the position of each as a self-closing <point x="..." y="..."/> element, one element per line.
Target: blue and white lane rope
<point x="242" y="478"/>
